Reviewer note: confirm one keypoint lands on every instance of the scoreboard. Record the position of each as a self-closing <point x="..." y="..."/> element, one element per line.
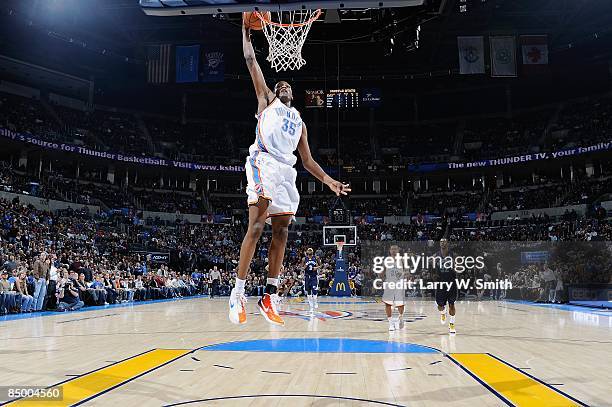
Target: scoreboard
<point x="342" y="98"/>
<point x="348" y="98"/>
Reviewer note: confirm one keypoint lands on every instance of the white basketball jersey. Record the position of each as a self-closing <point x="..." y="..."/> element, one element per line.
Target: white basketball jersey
<point x="278" y="132"/>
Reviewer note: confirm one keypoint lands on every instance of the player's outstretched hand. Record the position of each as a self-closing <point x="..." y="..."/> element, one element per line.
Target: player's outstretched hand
<point x="339" y="188"/>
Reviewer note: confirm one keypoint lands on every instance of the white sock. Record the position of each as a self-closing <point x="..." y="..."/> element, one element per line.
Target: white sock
<point x="443" y="311"/>
<point x="390" y="319"/>
<point x="314" y="297"/>
<point x="273" y="281"/>
<point x="240" y="285"/>
<point x="452" y="319"/>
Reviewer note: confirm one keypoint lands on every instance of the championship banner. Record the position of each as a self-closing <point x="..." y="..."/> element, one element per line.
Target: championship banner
<point x="471" y="55"/>
<point x="503" y="56"/>
<point x="136" y="159"/>
<point x="213" y="66"/>
<point x="187" y="63"/>
<point x="429" y="167"/>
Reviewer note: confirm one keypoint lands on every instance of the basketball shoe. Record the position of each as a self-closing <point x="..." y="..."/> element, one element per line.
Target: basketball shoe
<point x="391" y="325"/>
<point x="268" y="305"/>
<point x="237" y="310"/>
<point x="443" y="317"/>
<point x="310" y="303"/>
<point x="400" y="323"/>
<point x="451" y="328"/>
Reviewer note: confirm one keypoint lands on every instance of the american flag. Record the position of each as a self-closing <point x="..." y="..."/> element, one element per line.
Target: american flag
<point x="158" y="63"/>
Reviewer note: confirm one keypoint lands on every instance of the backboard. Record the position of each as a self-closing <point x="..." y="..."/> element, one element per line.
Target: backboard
<point x="333" y="234"/>
<point x="193" y="7"/>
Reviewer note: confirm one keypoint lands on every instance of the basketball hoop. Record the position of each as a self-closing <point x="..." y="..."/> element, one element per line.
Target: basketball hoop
<point x="339" y="246"/>
<point x="286" y="33"/>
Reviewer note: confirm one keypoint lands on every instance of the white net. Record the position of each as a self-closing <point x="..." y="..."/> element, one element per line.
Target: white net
<point x="286" y="33"/>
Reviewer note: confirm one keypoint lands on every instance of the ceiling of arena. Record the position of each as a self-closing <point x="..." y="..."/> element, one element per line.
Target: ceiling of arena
<point x="120" y="28"/>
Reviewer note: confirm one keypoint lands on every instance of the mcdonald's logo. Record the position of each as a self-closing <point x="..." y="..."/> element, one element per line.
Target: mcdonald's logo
<point x="340" y="287"/>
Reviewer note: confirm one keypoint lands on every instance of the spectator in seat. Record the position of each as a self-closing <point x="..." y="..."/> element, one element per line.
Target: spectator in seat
<point x="10" y="264"/>
<point x="85" y="293"/>
<point x="21" y="287"/>
<point x="153" y="288"/>
<point x="8" y="297"/>
<point x="127" y="284"/>
<point x="111" y="293"/>
<point x="118" y="286"/>
<point x="140" y="290"/>
<point x="99" y="291"/>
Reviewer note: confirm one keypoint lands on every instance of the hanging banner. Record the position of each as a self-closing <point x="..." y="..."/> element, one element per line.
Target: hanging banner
<point x="187" y="63"/>
<point x="503" y="56"/>
<point x="471" y="55"/>
<point x="127" y="158"/>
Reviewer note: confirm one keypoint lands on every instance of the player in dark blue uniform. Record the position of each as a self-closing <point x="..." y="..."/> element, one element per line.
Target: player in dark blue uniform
<point x="443" y="295"/>
<point x="311" y="278"/>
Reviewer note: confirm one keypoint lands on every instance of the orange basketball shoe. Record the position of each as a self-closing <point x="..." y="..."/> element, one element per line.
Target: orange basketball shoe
<point x="237" y="310"/>
<point x="268" y="308"/>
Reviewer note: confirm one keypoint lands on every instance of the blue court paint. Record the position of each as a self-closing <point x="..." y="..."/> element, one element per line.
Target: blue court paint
<point x="566" y="307"/>
<point x="595" y="304"/>
<point x="320" y="345"/>
<point x="13" y="317"/>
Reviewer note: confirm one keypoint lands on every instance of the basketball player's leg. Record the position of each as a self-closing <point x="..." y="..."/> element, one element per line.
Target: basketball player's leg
<point x="400" y="318"/>
<point x="257" y="219"/>
<point x="389" y="312"/>
<point x="441" y="299"/>
<point x="268" y="303"/>
<point x="311" y="285"/>
<point x="452" y="297"/>
<point x="308" y="291"/>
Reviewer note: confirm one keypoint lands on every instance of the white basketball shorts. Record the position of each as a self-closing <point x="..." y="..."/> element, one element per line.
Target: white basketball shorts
<point x="272" y="180"/>
<point x="394" y="297"/>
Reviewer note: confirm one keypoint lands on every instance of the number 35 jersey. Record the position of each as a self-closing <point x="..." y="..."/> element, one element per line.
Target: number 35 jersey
<point x="278" y="132"/>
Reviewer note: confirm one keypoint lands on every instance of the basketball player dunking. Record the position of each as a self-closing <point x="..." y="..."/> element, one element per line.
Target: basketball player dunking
<point x="444" y="296"/>
<point x="272" y="194"/>
<point x="311" y="266"/>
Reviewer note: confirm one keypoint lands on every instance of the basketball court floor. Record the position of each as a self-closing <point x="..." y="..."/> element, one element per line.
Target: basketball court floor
<point x="186" y="352"/>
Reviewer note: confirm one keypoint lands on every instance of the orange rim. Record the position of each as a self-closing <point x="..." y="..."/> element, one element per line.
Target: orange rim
<point x="268" y="21"/>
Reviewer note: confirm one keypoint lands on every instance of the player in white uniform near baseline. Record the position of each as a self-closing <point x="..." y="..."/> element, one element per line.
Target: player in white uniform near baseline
<point x="394" y="297"/>
<point x="271" y="190"/>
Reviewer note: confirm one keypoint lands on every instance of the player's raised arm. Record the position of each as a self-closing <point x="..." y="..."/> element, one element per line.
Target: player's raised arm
<point x="264" y="94"/>
<point x="315" y="169"/>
